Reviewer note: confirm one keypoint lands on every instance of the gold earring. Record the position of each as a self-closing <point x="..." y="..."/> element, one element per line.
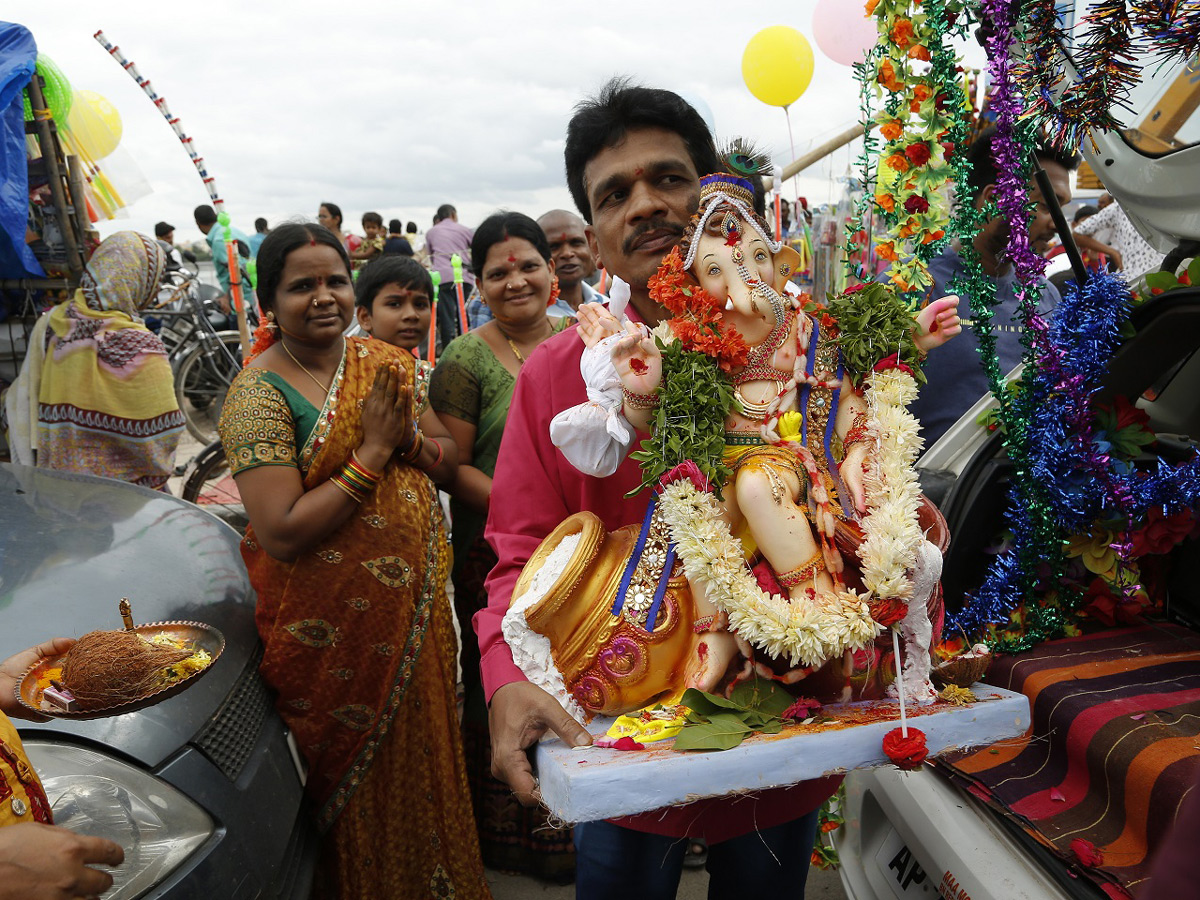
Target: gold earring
<point x="270" y="319"/>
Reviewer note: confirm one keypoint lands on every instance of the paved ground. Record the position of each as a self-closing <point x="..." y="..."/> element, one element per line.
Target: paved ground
<point x="822" y="885"/>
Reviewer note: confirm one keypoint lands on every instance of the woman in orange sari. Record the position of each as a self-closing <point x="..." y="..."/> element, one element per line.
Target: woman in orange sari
<point x="347" y="554"/>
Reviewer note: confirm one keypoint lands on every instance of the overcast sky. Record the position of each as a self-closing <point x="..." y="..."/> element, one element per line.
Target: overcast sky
<point x="400" y="107"/>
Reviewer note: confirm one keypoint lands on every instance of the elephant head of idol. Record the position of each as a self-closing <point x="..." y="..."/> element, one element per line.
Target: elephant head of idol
<point x="728" y="250"/>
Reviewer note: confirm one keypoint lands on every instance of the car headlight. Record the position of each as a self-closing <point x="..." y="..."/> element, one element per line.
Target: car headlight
<point x="98" y="795"/>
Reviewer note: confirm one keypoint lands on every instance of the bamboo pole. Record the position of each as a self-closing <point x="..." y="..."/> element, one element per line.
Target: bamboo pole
<point x="819" y="153"/>
<point x="45" y="127"/>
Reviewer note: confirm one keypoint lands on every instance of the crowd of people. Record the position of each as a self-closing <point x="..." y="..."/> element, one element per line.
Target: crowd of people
<point x="339" y="446"/>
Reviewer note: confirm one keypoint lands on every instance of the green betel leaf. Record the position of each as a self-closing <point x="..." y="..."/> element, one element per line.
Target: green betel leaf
<point x="724" y="732"/>
<point x="873" y="323"/>
<point x="707" y="704"/>
<point x="1193" y="271"/>
<point x="762" y="696"/>
<point x="1163" y="280"/>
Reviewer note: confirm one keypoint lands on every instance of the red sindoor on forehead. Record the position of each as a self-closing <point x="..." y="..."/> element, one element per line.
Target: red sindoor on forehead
<point x="639" y="172"/>
<point x="562" y="238"/>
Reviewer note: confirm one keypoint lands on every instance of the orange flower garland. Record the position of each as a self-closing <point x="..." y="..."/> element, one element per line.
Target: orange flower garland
<point x="697" y="315"/>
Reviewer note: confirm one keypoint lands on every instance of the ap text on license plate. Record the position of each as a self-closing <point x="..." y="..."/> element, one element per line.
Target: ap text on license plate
<point x="901" y="871"/>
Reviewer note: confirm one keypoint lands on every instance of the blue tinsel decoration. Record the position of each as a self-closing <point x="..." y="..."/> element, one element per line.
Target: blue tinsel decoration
<point x="1082" y="483"/>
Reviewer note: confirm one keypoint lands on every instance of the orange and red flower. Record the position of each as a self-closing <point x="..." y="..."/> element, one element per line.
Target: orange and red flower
<point x="887" y="76"/>
<point x="902" y="33"/>
<point x="918" y="154"/>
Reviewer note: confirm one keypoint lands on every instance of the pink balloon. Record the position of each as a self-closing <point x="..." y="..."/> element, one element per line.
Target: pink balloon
<point x="842" y="30"/>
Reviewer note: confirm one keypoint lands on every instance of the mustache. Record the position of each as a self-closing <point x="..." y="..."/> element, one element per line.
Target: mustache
<point x="653" y="225"/>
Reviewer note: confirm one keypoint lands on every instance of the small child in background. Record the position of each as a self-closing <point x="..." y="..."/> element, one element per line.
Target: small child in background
<point x="372" y="245"/>
<point x="394" y="300"/>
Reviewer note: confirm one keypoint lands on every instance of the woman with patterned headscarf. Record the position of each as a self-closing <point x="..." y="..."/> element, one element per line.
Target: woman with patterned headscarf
<point x="95" y="394"/>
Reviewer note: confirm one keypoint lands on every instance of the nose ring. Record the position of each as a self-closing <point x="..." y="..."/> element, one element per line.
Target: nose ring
<point x="314" y="301"/>
<point x="508" y="287"/>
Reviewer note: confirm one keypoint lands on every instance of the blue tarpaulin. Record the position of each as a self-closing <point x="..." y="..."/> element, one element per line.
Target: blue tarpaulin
<point x="18" y="58"/>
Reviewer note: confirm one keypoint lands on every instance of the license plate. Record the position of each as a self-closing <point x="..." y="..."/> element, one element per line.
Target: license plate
<point x="901" y="871"/>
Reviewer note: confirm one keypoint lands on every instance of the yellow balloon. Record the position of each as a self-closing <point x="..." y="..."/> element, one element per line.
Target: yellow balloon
<point x="95" y="124"/>
<point x="777" y="65"/>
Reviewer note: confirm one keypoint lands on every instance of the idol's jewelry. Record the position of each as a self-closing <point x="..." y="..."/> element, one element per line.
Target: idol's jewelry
<point x="305" y="370"/>
<point x="806" y="572"/>
<point x="639" y="401"/>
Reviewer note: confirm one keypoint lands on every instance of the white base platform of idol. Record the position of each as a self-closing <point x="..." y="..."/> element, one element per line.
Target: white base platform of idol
<point x="596" y="783"/>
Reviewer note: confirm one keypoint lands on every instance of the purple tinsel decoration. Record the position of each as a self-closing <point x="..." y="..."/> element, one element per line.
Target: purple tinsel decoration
<point x="1011" y="186"/>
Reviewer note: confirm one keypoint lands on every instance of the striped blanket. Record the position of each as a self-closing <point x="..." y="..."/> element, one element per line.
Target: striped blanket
<point x="1113" y="749"/>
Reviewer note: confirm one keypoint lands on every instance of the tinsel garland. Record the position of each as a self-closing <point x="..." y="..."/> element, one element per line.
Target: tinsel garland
<point x="859" y="226"/>
<point x="1012" y="577"/>
<point x="1119" y="33"/>
<point x="1084" y="485"/>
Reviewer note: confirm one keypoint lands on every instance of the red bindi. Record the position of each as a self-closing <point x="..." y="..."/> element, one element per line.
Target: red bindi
<point x="562" y="238"/>
<point x="639" y="171"/>
<point x="511" y="258"/>
<point x="639" y="367"/>
<point x="312" y="242"/>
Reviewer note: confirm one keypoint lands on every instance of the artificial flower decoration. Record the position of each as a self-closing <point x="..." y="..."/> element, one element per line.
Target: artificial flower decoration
<point x="1087" y="853"/>
<point x="915" y="79"/>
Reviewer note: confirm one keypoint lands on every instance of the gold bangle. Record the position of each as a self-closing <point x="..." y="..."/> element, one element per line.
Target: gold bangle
<point x="806" y="572"/>
<point x="355" y="461"/>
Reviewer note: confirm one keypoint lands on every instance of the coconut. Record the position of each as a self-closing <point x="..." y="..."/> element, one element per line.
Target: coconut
<point x="108" y="668"/>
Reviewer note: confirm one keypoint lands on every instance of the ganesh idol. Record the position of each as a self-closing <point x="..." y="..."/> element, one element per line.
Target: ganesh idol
<point x="770" y="462"/>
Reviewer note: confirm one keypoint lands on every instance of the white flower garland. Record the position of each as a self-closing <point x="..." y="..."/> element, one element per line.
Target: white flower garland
<point x="892" y="533"/>
<point x="712" y="558"/>
<point x="810" y="634"/>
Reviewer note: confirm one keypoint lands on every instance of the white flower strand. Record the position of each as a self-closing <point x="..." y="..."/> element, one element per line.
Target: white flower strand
<point x="891" y="528"/>
<point x="805" y="633"/>
<point x="839" y="620"/>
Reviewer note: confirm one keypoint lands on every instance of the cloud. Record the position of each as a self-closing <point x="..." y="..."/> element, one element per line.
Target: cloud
<point x="398" y="108"/>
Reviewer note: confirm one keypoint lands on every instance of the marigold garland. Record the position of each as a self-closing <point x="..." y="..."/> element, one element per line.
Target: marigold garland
<point x="698" y="316"/>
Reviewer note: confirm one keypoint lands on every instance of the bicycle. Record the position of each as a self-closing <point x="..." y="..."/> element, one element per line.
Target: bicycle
<point x="205" y="357"/>
<point x="211" y="487"/>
